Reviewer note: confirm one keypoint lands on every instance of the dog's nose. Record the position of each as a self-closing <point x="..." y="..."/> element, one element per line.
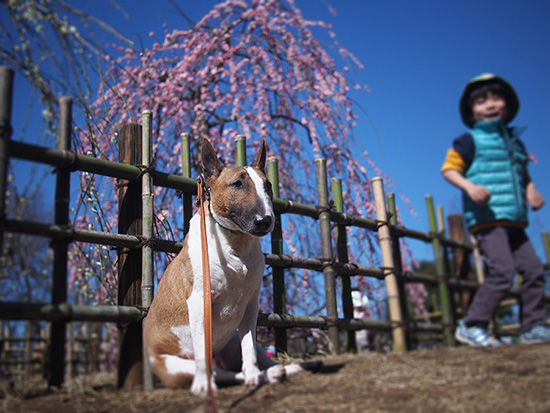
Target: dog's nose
<point x="263" y="223"/>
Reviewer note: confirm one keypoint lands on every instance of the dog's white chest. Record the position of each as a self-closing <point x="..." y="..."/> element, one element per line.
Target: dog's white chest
<point x="235" y="276"/>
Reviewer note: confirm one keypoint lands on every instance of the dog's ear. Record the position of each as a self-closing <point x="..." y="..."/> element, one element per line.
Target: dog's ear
<point x="259" y="159"/>
<point x="211" y="166"/>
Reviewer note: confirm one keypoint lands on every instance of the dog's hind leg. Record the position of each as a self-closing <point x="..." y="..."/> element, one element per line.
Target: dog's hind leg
<point x="173" y="371"/>
<point x="231" y="359"/>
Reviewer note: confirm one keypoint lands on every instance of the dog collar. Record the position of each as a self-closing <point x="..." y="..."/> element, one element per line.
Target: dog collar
<point x="209" y="198"/>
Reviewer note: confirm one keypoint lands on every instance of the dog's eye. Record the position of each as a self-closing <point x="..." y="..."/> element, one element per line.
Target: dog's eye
<point x="237" y="184"/>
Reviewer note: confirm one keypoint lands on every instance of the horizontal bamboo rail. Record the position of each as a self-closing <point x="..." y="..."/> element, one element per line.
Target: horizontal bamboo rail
<point x="68" y="312"/>
<point x="127" y="314"/>
<point x="131" y="241"/>
<point x="60" y="158"/>
<point x="83" y="163"/>
<point x="57" y="232"/>
<point x="284" y="261"/>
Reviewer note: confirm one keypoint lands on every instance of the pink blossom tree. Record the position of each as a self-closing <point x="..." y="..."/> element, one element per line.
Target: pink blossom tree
<point x="252" y="68"/>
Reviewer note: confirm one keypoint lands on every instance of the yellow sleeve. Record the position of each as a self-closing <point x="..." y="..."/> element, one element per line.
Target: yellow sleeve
<point x="454" y="161"/>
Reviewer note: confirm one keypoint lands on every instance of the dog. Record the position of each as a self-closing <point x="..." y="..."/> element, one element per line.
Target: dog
<point x="239" y="211"/>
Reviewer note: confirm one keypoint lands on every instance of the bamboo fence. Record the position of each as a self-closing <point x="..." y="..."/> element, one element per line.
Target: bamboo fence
<point x="24" y="354"/>
<point x="136" y="287"/>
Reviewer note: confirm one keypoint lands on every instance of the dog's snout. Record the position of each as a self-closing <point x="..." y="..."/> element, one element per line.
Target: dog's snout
<point x="263" y="222"/>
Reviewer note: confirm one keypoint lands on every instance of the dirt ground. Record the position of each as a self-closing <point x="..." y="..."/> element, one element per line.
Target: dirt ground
<point x="505" y="379"/>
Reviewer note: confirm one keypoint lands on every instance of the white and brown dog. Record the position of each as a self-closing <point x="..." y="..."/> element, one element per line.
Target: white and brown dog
<point x="239" y="212"/>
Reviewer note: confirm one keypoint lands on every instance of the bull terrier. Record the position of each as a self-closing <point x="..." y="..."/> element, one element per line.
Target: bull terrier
<point x="238" y="212"/>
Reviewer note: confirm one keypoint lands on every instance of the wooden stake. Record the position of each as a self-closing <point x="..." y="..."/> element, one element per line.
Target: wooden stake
<point x="130" y="366"/>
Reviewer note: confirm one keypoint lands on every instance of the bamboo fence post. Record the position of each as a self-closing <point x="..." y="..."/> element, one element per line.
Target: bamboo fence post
<point x="147" y="283"/>
<point x="447" y="265"/>
<point x="440" y="272"/>
<point x="398" y="332"/>
<point x="326" y="245"/>
<point x="28" y="350"/>
<point x="441" y="220"/>
<point x="70" y="351"/>
<point x="2" y="343"/>
<point x="186" y="173"/>
<point x="94" y="348"/>
<point x="147" y="208"/>
<point x="546" y="242"/>
<point x="279" y="296"/>
<point x="240" y="150"/>
<point x="461" y="260"/>
<point x="398" y="265"/>
<point x="342" y="251"/>
<point x="480" y="275"/>
<point x="6" y="97"/>
<point x="130" y="366"/>
<point x="60" y="247"/>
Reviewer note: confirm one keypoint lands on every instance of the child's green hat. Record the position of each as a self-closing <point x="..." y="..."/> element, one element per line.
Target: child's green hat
<point x="512" y="101"/>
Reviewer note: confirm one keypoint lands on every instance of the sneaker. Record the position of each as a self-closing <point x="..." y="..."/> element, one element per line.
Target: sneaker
<point x="474" y="336"/>
<point x="537" y="334"/>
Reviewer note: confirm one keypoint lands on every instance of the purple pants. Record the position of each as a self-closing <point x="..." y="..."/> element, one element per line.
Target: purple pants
<point x="507" y="251"/>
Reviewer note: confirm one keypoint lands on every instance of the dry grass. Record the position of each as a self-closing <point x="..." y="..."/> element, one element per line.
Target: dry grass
<point x="506" y="379"/>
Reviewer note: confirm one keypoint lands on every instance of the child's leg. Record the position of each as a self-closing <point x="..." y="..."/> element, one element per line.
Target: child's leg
<point x="530" y="267"/>
<point x="495" y="248"/>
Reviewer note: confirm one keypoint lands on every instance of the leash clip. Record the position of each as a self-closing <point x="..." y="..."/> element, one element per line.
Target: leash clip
<point x="203" y="190"/>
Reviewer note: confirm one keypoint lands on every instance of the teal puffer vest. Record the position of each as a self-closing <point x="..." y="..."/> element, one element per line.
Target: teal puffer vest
<point x="499" y="164"/>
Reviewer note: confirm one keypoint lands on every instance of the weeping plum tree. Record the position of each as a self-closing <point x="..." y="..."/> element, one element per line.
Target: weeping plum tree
<point x="53" y="47"/>
<point x="252" y="68"/>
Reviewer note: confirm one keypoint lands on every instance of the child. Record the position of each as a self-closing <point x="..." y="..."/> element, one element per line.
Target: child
<point x="489" y="165"/>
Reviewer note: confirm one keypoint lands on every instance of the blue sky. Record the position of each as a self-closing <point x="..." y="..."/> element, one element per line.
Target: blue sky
<point x="418" y="55"/>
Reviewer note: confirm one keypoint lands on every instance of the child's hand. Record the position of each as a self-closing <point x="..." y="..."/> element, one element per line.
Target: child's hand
<point x="534" y="198"/>
<point x="538" y="204"/>
<point x="478" y="194"/>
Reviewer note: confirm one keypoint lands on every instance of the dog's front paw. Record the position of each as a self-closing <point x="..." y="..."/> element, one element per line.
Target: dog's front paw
<point x="253" y="376"/>
<point x="199" y="387"/>
<point x="275" y="374"/>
